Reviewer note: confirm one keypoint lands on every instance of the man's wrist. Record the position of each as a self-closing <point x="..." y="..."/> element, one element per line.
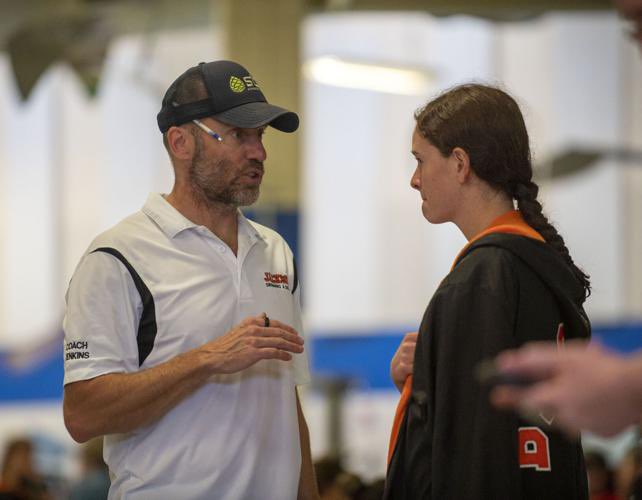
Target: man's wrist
<point x="202" y="362"/>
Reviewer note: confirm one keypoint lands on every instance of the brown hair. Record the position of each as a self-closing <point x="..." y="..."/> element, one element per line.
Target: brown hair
<point x="486" y="122"/>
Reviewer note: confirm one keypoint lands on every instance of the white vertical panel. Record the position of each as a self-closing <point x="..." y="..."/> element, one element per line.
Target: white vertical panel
<point x="586" y="77"/>
<point x="29" y="241"/>
<point x="631" y="203"/>
<point x="526" y="70"/>
<point x="371" y="260"/>
<point x="7" y="91"/>
<point x="82" y="141"/>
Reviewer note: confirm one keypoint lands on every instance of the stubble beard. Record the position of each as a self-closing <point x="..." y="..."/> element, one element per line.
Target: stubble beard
<point x="207" y="185"/>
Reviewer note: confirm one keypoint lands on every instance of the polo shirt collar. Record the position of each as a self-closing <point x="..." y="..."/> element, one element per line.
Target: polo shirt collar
<point x="172" y="222"/>
<point x="251" y="229"/>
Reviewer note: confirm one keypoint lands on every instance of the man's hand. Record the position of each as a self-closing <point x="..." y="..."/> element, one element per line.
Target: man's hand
<point x="249" y="342"/>
<point x="582" y="388"/>
<point x="403" y="361"/>
<point x="123" y="402"/>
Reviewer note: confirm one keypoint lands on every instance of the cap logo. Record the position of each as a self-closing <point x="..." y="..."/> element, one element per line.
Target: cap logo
<point x="240" y="85"/>
<point x="236" y="84"/>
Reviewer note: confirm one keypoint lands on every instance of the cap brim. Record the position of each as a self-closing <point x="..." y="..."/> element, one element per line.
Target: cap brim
<point x="258" y="114"/>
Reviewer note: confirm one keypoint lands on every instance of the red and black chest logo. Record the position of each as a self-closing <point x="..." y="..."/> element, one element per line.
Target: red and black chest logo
<point x="275" y="280"/>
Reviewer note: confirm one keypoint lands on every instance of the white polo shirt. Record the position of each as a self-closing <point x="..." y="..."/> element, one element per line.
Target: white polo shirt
<point x="157" y="285"/>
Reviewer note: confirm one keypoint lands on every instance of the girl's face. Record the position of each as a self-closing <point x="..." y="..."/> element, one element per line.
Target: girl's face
<point x="436" y="180"/>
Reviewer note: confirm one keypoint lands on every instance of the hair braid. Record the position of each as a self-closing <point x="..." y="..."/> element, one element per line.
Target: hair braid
<point x="531" y="209"/>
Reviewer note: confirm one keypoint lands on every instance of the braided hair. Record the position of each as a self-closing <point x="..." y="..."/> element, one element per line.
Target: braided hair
<point x="486" y="122"/>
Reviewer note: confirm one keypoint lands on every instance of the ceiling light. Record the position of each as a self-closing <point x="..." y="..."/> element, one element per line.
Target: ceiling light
<point x="340" y="73"/>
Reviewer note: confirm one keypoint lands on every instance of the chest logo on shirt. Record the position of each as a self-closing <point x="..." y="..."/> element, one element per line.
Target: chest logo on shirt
<point x="276" y="281"/>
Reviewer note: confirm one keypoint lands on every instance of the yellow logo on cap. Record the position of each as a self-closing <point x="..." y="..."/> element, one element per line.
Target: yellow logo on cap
<point x="236" y="84"/>
<point x="246" y="83"/>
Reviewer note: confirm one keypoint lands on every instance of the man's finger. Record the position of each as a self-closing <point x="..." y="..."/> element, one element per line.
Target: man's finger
<point x="280" y="333"/>
<point x="278" y="343"/>
<point x="273" y="353"/>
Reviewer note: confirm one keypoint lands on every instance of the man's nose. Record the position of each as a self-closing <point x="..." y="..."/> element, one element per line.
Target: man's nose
<point x="255" y="150"/>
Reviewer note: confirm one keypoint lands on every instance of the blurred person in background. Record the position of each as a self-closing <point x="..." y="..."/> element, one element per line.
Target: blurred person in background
<point x="334" y="482"/>
<point x="371" y="491"/>
<point x="94" y="482"/>
<point x="183" y="341"/>
<point x="19" y="480"/>
<point x="600" y="477"/>
<point x="514" y="282"/>
<point x="628" y="479"/>
<point x="327" y="470"/>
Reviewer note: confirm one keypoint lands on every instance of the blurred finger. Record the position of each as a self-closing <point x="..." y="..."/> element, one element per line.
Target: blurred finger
<point x="533" y="361"/>
<point x="506" y="397"/>
<point x="409" y="338"/>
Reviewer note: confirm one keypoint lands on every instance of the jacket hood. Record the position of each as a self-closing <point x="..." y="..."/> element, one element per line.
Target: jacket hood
<point x="551" y="268"/>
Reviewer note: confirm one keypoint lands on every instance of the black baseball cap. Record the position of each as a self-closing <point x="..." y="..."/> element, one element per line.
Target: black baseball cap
<point x="234" y="98"/>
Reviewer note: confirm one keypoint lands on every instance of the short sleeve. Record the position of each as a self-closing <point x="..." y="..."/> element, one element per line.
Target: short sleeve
<point x="101" y="319"/>
<point x="300" y="361"/>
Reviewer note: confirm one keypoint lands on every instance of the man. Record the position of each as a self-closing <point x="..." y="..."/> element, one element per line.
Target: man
<point x="182" y="329"/>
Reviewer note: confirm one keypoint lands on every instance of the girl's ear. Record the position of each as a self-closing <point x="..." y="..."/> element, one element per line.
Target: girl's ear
<point x="462" y="164"/>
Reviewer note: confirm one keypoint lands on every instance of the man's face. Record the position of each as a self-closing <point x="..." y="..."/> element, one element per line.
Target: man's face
<point x="228" y="172"/>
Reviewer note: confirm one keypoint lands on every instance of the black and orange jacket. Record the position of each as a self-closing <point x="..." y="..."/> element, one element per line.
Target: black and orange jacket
<point x="506" y="288"/>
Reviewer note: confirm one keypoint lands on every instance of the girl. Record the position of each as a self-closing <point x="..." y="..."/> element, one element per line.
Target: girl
<point x="514" y="282"/>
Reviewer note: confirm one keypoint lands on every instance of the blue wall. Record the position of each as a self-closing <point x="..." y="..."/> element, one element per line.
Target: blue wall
<point x="361" y="357"/>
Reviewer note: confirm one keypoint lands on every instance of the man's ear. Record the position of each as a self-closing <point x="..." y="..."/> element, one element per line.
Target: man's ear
<point x="462" y="164"/>
<point x="181" y="143"/>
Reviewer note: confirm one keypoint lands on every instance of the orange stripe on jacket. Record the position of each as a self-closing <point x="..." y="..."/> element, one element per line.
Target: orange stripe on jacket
<point x="511" y="222"/>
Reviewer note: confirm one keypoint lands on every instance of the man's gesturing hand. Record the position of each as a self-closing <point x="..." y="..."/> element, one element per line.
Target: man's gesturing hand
<point x="249" y="342"/>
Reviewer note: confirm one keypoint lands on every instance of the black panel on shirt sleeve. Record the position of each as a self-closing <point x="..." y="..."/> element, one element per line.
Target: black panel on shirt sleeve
<point x="295" y="279"/>
<point x="147" y="327"/>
